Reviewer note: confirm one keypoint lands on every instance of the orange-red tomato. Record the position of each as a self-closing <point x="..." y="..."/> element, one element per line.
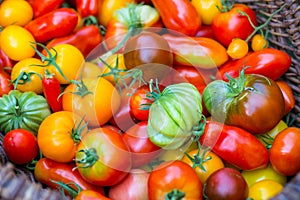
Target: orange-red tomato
<point x="288" y="96"/>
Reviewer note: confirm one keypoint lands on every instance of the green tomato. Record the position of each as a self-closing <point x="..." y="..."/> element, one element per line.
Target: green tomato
<point x="22" y="110"/>
<point x="268" y="173"/>
<point x="174" y="115"/>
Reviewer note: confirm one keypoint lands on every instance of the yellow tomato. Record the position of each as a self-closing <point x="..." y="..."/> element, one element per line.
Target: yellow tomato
<point x="108" y="7"/>
<point x="18" y="12"/>
<point x="207" y="9"/>
<point x="208" y="162"/>
<point x="254" y="176"/>
<point x="90" y="70"/>
<point x="264" y="190"/>
<point x="27" y="75"/>
<point x="69" y="61"/>
<point x="238" y="48"/>
<point x="259" y="42"/>
<point x="16" y="42"/>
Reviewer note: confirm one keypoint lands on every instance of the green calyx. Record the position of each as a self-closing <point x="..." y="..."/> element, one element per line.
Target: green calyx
<point x="175" y="195"/>
<point x="237" y="85"/>
<point x="88" y="158"/>
<point x="77" y="131"/>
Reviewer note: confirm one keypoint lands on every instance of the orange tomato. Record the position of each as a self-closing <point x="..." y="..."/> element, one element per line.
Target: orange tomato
<point x="59" y="134"/>
<point x="206" y="162"/>
<point x="259" y="42"/>
<point x="238" y="48"/>
<point x="95" y="99"/>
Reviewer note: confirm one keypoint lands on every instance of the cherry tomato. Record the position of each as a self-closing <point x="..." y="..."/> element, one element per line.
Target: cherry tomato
<point x="59" y="134"/>
<point x="142" y="149"/>
<point x="284" y="153"/>
<point x="27" y="75"/>
<point x="265" y="189"/>
<point x="17" y="12"/>
<point x="237" y="48"/>
<point x="259" y="42"/>
<point x="20" y="146"/>
<point x="204" y="162"/>
<point x="226" y="183"/>
<point x="16" y="42"/>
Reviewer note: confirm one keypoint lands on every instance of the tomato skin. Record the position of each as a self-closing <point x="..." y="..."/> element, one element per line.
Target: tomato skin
<point x="59" y="134"/>
<point x="41" y="7"/>
<point x="199" y="52"/>
<point x="172" y="175"/>
<point x="5" y="82"/>
<point x="57" y="23"/>
<point x="16" y="12"/>
<point x="5" y="62"/>
<point x="15" y="42"/>
<point x="262" y="62"/>
<point x="233" y="24"/>
<point x="265" y="189"/>
<point x="226" y="183"/>
<point x="179" y="15"/>
<point x="142" y="149"/>
<point x="207" y="9"/>
<point x="284" y="153"/>
<point x="258" y="42"/>
<point x="287" y="92"/>
<point x="235" y="145"/>
<point x="20" y="146"/>
<point x="87" y="8"/>
<point x="46" y="170"/>
<point x="113" y="160"/>
<point x="90" y="195"/>
<point x="78" y="39"/>
<point x="237" y="48"/>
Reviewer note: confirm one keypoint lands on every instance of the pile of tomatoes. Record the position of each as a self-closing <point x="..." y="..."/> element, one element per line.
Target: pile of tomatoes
<point x="148" y="99"/>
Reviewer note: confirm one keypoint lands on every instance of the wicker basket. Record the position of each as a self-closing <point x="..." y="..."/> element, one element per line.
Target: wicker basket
<point x="284" y="34"/>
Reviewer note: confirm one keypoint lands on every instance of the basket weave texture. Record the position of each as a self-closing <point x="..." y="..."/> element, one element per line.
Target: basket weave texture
<point x="284" y="34"/>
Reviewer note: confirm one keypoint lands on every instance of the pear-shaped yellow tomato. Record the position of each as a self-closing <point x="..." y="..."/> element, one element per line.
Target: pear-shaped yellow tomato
<point x="265" y="189"/>
<point x="207" y="9"/>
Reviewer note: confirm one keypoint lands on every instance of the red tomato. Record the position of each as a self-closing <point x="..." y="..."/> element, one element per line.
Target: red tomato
<point x="141" y="147"/>
<point x="231" y="24"/>
<point x="285" y="152"/>
<point x="174" y="180"/>
<point x="5" y="82"/>
<point x="288" y="96"/>
<point x="226" y="183"/>
<point x="20" y="146"/>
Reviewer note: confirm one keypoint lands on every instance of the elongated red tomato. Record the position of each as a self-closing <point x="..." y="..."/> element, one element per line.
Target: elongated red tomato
<point x="179" y="15"/>
<point x="87" y="8"/>
<point x="235" y="145"/>
<point x="41" y="7"/>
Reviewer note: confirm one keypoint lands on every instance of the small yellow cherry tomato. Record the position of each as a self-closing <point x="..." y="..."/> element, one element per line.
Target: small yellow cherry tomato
<point x="16" y="42"/>
<point x="27" y="75"/>
<point x="268" y="173"/>
<point x="264" y="190"/>
<point x="18" y="12"/>
<point x="207" y="9"/>
<point x="238" y="48"/>
<point x="209" y="162"/>
<point x="259" y="42"/>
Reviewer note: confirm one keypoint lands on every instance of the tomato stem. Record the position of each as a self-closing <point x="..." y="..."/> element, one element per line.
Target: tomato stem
<point x="226" y="5"/>
<point x="175" y="195"/>
<point x="89" y="158"/>
<point x="66" y="186"/>
<point x="77" y="131"/>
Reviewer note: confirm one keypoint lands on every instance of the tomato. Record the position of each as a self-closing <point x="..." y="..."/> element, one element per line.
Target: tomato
<point x="205" y="31"/>
<point x="57" y="23"/>
<point x="64" y="62"/>
<point x="179" y="15"/>
<point x="268" y="173"/>
<point x="237" y="48"/>
<point x="235" y="25"/>
<point x="20" y="146"/>
<point x="142" y="149"/>
<point x="41" y="7"/>
<point x="22" y="110"/>
<point x="235" y="146"/>
<point x="260" y="62"/>
<point x="265" y="189"/>
<point x="202" y="52"/>
<point x="207" y="9"/>
<point x="16" y="42"/>
<point x="174" y="180"/>
<point x="287" y="92"/>
<point x="5" y="83"/>
<point x="134" y="186"/>
<point x="284" y="153"/>
<point x="226" y="183"/>
<point x="175" y="116"/>
<point x="59" y="134"/>
<point x="258" y="42"/>
<point x="204" y="162"/>
<point x="87" y="8"/>
<point x="108" y="7"/>
<point x="150" y="53"/>
<point x="246" y="102"/>
<point x="94" y="99"/>
<point x="90" y="195"/>
<point x="18" y="12"/>
<point x="27" y="74"/>
<point x="102" y="157"/>
<point x="46" y="171"/>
